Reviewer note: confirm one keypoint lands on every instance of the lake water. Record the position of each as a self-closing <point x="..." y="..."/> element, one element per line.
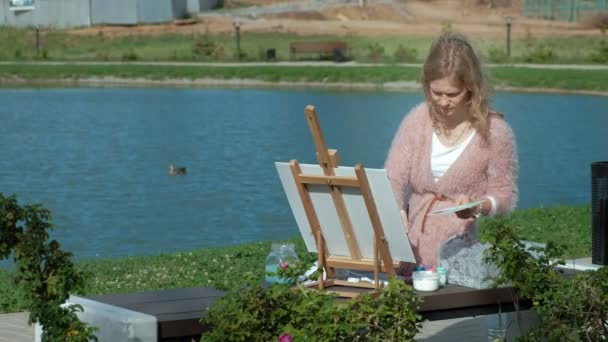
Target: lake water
<point x="98" y="158"/>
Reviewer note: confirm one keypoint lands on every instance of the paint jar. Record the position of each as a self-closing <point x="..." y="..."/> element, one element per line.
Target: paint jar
<point x="282" y="255"/>
<point x="425" y="281"/>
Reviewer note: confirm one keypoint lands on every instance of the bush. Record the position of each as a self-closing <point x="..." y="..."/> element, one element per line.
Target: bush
<point x="44" y="272"/>
<point x="540" y="54"/>
<point x="130" y="55"/>
<point x="571" y="309"/>
<point x="257" y="313"/>
<point x="375" y="52"/>
<point x="600" y="55"/>
<point x="44" y="54"/>
<point x="405" y="55"/>
<point x="241" y="55"/>
<point x="203" y="47"/>
<point x="102" y="55"/>
<point x="219" y="54"/>
<point x="598" y="21"/>
<point x="497" y="55"/>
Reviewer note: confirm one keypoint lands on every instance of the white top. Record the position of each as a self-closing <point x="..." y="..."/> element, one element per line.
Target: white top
<point x="442" y="157"/>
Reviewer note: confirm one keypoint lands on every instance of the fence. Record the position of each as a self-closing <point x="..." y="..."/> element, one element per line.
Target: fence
<point x="563" y="10"/>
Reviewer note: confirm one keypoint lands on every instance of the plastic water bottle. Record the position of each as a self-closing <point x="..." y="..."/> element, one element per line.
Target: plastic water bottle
<point x="443" y="276"/>
<point x="281" y="255"/>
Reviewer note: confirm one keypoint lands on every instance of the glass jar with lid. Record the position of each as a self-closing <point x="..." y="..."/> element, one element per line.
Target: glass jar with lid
<point x="282" y="255"/>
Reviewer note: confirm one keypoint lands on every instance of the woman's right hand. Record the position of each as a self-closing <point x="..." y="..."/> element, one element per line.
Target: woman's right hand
<point x="465" y="213"/>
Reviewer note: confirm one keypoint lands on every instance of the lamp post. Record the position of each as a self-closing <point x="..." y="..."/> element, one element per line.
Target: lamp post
<point x="37" y="41"/>
<point x="237" y="28"/>
<point x="508" y="21"/>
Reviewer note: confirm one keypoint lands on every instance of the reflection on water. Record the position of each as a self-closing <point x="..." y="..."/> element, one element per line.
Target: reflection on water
<point x="99" y="158"/>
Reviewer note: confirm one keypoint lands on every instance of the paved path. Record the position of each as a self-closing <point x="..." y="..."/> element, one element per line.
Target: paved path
<point x="304" y="63"/>
<point x="14" y="328"/>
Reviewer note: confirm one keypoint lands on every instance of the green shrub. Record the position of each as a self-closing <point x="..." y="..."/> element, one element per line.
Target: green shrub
<point x="102" y="55"/>
<point x="261" y="54"/>
<point x="241" y="55"/>
<point x="571" y="309"/>
<point x="203" y="47"/>
<point x="600" y="55"/>
<point x="44" y="273"/>
<point x="256" y="313"/>
<point x="130" y="55"/>
<point x="405" y="55"/>
<point x="219" y="54"/>
<point x="540" y="54"/>
<point x="497" y="55"/>
<point x="375" y="52"/>
<point x="44" y="54"/>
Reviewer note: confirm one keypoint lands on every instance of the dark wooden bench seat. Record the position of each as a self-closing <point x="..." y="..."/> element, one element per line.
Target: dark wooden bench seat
<point x="336" y="49"/>
<point x="178" y="311"/>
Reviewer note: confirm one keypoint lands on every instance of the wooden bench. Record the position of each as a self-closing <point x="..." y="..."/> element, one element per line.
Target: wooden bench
<point x="178" y="311"/>
<point x="337" y="50"/>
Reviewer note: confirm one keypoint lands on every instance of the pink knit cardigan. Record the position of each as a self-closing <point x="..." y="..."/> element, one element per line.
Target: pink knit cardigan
<point x="487" y="167"/>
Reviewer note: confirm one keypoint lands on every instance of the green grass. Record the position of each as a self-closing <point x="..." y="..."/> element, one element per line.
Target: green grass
<point x="566" y="225"/>
<point x="57" y="45"/>
<point x="19" y="44"/>
<point x="223" y="267"/>
<point x="595" y="80"/>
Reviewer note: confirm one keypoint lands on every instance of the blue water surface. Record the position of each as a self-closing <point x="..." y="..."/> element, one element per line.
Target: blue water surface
<point x="98" y="157"/>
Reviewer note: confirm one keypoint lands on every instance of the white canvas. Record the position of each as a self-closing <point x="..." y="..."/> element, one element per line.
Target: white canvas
<point x="325" y="209"/>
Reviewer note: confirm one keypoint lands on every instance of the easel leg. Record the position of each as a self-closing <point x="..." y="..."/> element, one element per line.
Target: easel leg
<point x="321" y="257"/>
<point x="376" y="265"/>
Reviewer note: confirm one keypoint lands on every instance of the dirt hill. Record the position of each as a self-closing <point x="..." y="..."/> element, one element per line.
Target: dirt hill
<point x="476" y="18"/>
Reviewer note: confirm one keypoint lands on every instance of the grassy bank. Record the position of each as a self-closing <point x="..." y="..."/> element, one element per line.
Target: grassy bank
<point x="221" y="267"/>
<point x="502" y="76"/>
<point x="19" y="44"/>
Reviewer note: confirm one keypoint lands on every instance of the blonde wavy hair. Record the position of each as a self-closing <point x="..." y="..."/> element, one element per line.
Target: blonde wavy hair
<point x="452" y="56"/>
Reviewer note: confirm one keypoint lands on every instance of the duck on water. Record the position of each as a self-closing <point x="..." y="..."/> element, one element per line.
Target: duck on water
<point x="176" y="171"/>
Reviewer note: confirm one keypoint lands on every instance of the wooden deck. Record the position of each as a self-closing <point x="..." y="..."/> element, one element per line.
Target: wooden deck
<point x="14" y="328"/>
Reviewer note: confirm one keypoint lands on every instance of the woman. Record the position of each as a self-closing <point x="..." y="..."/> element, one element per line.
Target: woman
<point x="451" y="150"/>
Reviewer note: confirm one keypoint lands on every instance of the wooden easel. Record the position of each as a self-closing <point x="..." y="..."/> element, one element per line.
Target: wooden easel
<point x="329" y="160"/>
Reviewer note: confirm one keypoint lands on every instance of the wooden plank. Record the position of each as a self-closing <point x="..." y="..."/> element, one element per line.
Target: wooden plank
<point x="155" y="296"/>
<point x="311" y="215"/>
<point x="362" y="284"/>
<point x="366" y="192"/>
<point x="455" y="296"/>
<point x="310" y="47"/>
<point x="321" y="258"/>
<point x="329" y="180"/>
<point x="336" y="192"/>
<point x="364" y="264"/>
<point x="376" y="264"/>
<point x="178" y="329"/>
<point x="168" y="308"/>
<point x="319" y="141"/>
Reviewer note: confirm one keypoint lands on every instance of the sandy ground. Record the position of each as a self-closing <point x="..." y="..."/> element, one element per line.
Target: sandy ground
<point x="475" y="18"/>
